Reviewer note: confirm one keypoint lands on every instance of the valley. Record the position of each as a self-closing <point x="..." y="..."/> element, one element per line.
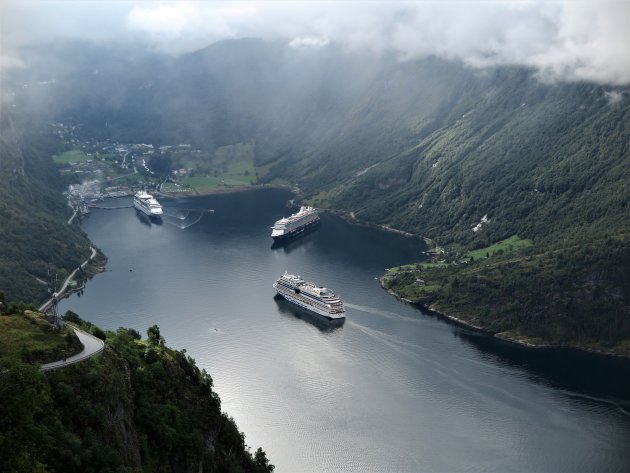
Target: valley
<point x="464" y="158"/>
<point x="464" y="167"/>
<point x="109" y="168"/>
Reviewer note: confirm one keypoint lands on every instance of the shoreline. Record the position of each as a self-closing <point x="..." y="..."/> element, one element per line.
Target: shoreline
<point x="65" y="291"/>
<point x="221" y="190"/>
<point x="350" y="218"/>
<point x="522" y="342"/>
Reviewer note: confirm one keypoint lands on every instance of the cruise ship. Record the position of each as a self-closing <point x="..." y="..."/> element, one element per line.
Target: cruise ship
<point x="147" y="204"/>
<point x="309" y="296"/>
<point x="296" y="225"/>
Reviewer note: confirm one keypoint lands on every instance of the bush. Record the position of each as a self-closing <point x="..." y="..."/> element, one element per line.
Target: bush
<point x="72" y="317"/>
<point x="98" y="333"/>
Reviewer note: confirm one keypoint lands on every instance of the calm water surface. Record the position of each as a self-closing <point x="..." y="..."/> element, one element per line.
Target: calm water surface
<point x="392" y="389"/>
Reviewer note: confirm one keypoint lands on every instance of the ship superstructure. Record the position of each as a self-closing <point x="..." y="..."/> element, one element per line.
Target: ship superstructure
<point x="147" y="204"/>
<point x="308" y="295"/>
<point x="296" y="225"/>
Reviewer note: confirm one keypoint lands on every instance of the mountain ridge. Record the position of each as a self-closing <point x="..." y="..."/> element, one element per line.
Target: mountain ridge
<point x="36" y="243"/>
<point x="464" y="157"/>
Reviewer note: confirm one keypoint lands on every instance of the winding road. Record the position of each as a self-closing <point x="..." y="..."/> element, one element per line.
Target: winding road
<point x="59" y="293"/>
<point x="92" y="346"/>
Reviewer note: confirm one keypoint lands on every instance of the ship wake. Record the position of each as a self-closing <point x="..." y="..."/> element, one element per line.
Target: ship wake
<point x="182" y="218"/>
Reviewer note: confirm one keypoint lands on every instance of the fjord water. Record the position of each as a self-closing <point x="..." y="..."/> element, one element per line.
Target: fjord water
<point x="392" y="389"/>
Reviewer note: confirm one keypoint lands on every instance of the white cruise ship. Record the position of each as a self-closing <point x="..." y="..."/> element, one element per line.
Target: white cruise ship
<point x="317" y="299"/>
<point x="296" y="225"/>
<point x="147" y="204"/>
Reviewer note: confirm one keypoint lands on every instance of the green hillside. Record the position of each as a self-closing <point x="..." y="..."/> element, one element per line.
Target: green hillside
<point x="536" y="168"/>
<point x="464" y="157"/>
<point x="139" y="407"/>
<point x="549" y="163"/>
<point x="28" y="337"/>
<point x="35" y="240"/>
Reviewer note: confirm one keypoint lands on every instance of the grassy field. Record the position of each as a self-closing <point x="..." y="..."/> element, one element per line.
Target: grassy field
<point x="230" y="166"/>
<point x="201" y="183"/>
<point x="227" y="167"/>
<point x="29" y="336"/>
<point x="421" y="282"/>
<point x="401" y="269"/>
<point x="238" y="159"/>
<point x="405" y="268"/>
<point x="513" y="243"/>
<point x="73" y="156"/>
<point x="172" y="187"/>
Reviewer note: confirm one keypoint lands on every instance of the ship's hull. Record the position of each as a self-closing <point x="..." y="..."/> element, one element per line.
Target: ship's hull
<point x="306" y="304"/>
<point x="322" y="323"/>
<point x="297" y="232"/>
<point x="147" y="211"/>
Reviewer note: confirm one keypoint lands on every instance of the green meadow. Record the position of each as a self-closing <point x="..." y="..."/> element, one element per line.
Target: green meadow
<point x="513" y="243"/>
<point x="29" y="336"/>
<point x="72" y="156"/>
<point x="229" y="166"/>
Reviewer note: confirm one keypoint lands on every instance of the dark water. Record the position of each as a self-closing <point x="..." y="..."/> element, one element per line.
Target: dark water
<point x="391" y="389"/>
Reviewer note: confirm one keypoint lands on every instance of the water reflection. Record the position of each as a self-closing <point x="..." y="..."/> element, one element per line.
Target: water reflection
<point x="289" y="245"/>
<point x="569" y="369"/>
<point x="144" y="219"/>
<point x="388" y="390"/>
<point x="322" y="323"/>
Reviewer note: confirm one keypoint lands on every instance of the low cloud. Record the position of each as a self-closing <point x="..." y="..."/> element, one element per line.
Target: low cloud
<point x="10" y="62"/>
<point x="309" y="42"/>
<point x="563" y="40"/>
<point x="614" y="96"/>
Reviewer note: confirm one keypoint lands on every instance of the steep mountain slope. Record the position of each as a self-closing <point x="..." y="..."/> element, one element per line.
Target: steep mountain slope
<point x="140" y="406"/>
<point x="464" y="157"/>
<point x="537" y="160"/>
<point x="35" y="240"/>
<point x="306" y="106"/>
<point x="547" y="163"/>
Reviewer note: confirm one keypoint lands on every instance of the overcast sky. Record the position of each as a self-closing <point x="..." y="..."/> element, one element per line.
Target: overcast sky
<point x="567" y="40"/>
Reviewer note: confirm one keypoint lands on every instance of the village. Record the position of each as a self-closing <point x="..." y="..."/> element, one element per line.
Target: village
<point x="104" y="169"/>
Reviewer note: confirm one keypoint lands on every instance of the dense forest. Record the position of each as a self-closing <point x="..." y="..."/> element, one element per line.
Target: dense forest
<point x="464" y="157"/>
<point x="546" y="163"/>
<point x="138" y="407"/>
<point x="575" y="296"/>
<point x="35" y="242"/>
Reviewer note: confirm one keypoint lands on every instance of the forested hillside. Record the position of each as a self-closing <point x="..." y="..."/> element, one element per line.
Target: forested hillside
<point x="466" y="157"/>
<point x="35" y="241"/>
<point x="548" y="163"/>
<point x="139" y="407"/>
<point x="536" y="159"/>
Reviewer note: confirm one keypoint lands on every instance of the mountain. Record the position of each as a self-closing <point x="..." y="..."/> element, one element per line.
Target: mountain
<point x="139" y="406"/>
<point x="36" y="243"/>
<point x="467" y="158"/>
<point x="543" y="161"/>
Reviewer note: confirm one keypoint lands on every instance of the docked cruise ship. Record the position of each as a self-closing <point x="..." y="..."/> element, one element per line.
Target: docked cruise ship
<point x="317" y="299"/>
<point x="147" y="204"/>
<point x="296" y="225"/>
